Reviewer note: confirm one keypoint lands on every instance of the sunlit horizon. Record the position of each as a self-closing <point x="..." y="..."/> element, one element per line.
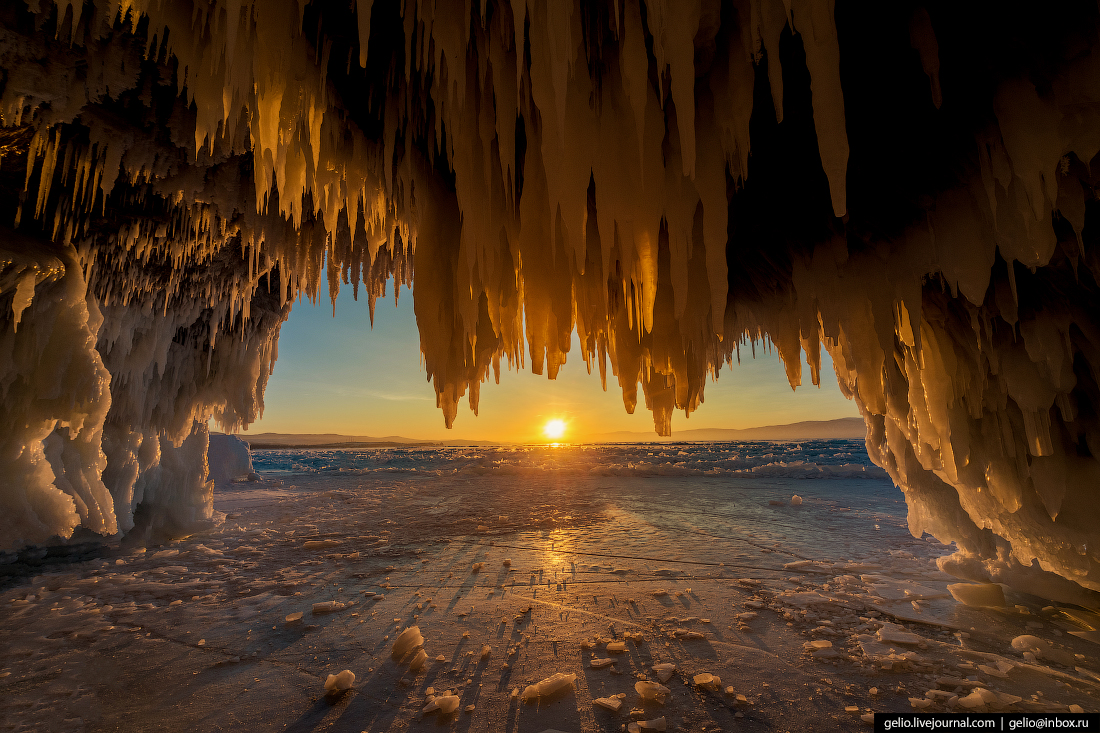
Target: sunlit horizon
<point x="336" y="375"/>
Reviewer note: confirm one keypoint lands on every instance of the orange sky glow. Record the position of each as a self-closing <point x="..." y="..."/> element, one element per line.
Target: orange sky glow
<point x="337" y="375"/>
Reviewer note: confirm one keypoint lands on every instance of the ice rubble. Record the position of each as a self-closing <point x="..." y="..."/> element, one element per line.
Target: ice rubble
<point x="651" y="691"/>
<point x="406" y="641"/>
<point x="418" y="661"/>
<point x="229" y="459"/>
<point x="664" y="671"/>
<point x="977" y="594"/>
<point x="339" y="682"/>
<point x="557" y="166"/>
<point x="445" y="704"/>
<point x="639" y="725"/>
<point x="545" y="688"/>
<point x="101" y="609"/>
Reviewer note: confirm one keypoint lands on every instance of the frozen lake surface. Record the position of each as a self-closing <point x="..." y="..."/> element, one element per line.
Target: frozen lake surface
<point x="810" y="615"/>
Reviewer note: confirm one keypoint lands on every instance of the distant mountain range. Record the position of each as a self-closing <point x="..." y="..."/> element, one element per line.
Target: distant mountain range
<point x="845" y="427"/>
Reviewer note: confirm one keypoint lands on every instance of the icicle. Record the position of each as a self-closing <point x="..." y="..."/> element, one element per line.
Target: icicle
<point x="813" y="19"/>
<point x="923" y="40"/>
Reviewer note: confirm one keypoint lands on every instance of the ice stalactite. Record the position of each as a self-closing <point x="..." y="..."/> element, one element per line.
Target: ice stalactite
<point x="55" y="398"/>
<point x="911" y="186"/>
<point x="517" y="119"/>
<point x="171" y="372"/>
<point x="970" y="345"/>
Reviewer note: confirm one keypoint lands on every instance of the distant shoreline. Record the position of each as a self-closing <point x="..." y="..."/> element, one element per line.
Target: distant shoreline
<point x="845" y="428"/>
<point x="338" y="446"/>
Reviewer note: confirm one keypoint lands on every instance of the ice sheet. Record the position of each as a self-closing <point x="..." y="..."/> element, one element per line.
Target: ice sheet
<point x="552" y="611"/>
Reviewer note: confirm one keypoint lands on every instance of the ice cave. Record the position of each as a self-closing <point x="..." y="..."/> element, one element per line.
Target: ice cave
<point x="908" y="184"/>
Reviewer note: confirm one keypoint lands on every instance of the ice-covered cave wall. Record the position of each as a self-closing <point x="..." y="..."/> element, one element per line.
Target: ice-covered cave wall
<point x="910" y="184"/>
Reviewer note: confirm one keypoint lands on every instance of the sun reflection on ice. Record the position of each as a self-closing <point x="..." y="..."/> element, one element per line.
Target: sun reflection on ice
<point x="558" y="554"/>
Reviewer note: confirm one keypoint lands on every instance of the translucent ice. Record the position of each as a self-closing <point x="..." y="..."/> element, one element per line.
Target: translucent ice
<point x="707" y="681"/>
<point x="328" y="607"/>
<point x="688" y="634"/>
<point x="978" y="594"/>
<point x="405" y="642"/>
<point x="664" y="671"/>
<point x="549" y="686"/>
<point x="444" y="704"/>
<point x="651" y="691"/>
<point x="340" y="681"/>
<point x="894" y="634"/>
<point x="1042" y="649"/>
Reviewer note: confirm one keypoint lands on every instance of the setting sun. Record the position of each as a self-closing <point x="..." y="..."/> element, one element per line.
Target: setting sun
<point x="554" y="429"/>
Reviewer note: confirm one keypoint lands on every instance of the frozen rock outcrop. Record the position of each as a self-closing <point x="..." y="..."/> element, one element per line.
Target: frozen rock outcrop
<point x="913" y="189"/>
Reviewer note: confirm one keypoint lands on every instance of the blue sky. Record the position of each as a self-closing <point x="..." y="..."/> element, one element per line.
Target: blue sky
<point x="337" y="375"/>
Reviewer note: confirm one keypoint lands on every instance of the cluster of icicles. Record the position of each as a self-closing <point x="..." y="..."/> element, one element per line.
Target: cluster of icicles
<point x="257" y="83"/>
<point x="609" y="218"/>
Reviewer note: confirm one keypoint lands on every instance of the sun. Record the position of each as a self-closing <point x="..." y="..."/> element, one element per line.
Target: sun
<point x="554" y="429"/>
